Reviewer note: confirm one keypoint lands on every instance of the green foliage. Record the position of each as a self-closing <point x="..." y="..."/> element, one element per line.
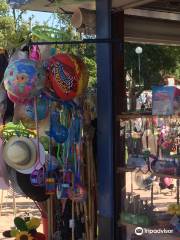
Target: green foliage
<point x="91" y="64"/>
<point x="86" y="51"/>
<point x="156" y="62"/>
<point x="13" y="30"/>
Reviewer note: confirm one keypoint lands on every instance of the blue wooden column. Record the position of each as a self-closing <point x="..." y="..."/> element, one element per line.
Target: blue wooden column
<point x="104" y="123"/>
<point x="110" y="93"/>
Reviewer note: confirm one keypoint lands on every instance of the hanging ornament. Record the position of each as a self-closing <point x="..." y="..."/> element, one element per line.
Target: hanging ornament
<point x="50" y="183"/>
<point x="57" y="130"/>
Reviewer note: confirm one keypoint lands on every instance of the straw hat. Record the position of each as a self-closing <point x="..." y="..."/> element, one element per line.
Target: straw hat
<point x="20" y="153"/>
<point x="38" y="165"/>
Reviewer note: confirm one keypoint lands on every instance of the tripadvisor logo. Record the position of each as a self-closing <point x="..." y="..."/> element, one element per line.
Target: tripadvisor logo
<point x="139" y="231"/>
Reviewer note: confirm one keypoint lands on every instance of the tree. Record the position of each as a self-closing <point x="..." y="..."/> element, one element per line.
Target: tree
<point x="156" y="62"/>
<point x="13" y="29"/>
<point x="86" y="51"/>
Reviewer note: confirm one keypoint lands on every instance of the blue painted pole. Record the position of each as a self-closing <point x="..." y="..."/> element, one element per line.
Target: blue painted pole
<point x="111" y="101"/>
<point x="105" y="123"/>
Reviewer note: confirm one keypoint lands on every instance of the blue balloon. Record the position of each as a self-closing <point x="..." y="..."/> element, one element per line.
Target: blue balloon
<point x="42" y="109"/>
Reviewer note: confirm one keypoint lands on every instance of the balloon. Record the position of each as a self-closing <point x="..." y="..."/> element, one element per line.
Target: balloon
<point x="16" y="99"/>
<point x="68" y="76"/>
<point x="24" y="78"/>
<point x="42" y="109"/>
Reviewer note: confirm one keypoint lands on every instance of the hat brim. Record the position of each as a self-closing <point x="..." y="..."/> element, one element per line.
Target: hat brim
<point x="13" y="181"/>
<point x="40" y="163"/>
<point x="31" y="146"/>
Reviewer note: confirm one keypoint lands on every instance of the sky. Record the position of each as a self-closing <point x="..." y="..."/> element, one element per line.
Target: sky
<point x="40" y="17"/>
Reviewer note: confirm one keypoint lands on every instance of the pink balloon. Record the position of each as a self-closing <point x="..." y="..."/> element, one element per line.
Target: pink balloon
<point x="35" y="53"/>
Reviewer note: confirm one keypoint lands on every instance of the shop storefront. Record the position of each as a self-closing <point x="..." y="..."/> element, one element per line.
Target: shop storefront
<point x="137" y="154"/>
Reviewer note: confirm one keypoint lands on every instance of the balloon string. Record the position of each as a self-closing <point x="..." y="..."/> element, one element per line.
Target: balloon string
<point x="37" y="130"/>
<point x="68" y="143"/>
<point x="50" y="140"/>
<point x="75" y="160"/>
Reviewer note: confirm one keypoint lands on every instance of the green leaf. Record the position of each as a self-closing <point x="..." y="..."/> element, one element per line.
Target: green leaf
<point x="20" y="224"/>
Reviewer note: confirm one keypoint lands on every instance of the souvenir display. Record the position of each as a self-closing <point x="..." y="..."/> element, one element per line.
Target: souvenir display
<point x="152" y="176"/>
<point x="45" y="149"/>
<point x="137" y="212"/>
<point x="165" y="100"/>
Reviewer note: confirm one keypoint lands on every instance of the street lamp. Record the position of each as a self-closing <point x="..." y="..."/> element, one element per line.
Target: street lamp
<point x="139" y="51"/>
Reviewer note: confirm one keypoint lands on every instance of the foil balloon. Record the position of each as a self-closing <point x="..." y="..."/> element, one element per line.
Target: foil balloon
<point x="24" y="79"/>
<point x="68" y="76"/>
<point x="35" y="53"/>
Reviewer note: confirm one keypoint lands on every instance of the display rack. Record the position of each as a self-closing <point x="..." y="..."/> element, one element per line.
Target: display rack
<point x="125" y="116"/>
<point x="134" y="115"/>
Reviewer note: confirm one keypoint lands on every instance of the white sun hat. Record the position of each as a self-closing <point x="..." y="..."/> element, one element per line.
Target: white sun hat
<point x="20" y="153"/>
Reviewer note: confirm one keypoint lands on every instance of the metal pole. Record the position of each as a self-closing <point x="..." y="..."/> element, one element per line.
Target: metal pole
<point x="139" y="64"/>
<point x="76" y="42"/>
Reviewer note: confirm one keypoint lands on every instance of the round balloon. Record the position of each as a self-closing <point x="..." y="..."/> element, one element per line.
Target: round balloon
<point x="24" y="78"/>
<point x="42" y="109"/>
<point x="68" y="76"/>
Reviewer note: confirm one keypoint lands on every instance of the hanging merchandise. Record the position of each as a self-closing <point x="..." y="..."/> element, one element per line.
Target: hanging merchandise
<point x="19" y="153"/>
<point x="20" y="54"/>
<point x="166" y="100"/>
<point x="24" y="79"/>
<point x="57" y="131"/>
<point x="3" y="104"/>
<point x="42" y="109"/>
<point x="46" y="150"/>
<point x="26" y="114"/>
<point x="35" y="53"/>
<point x="37" y="176"/>
<point x="11" y="129"/>
<point x="68" y="76"/>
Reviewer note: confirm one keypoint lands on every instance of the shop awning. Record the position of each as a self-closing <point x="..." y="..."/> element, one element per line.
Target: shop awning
<point x="71" y="5"/>
<point x="146" y="21"/>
